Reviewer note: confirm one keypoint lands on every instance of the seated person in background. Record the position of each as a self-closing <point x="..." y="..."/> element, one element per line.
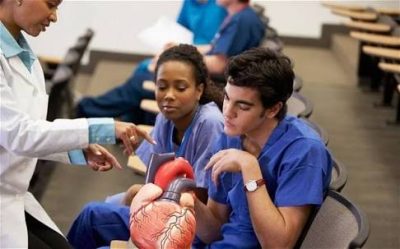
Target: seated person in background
<point x="188" y="124"/>
<point x="201" y="17"/>
<point x="270" y="169"/>
<point x="242" y="29"/>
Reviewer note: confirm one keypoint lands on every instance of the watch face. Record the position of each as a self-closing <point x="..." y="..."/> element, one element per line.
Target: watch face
<point x="251" y="186"/>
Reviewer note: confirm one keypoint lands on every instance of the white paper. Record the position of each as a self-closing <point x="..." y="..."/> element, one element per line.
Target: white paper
<point x="163" y="32"/>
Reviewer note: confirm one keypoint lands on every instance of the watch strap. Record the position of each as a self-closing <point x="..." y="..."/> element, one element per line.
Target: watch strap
<point x="259" y="183"/>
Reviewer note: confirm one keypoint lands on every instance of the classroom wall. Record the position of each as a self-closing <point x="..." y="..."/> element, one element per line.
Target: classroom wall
<point x="117" y="23"/>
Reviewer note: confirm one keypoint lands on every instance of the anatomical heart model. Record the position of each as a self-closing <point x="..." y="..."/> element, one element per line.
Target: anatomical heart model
<point x="162" y="212"/>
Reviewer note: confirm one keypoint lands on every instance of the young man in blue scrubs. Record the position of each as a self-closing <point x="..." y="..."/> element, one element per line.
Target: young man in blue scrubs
<point x="241" y="30"/>
<point x="269" y="170"/>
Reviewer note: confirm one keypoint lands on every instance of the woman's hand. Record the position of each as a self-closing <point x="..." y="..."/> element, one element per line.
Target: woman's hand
<point x="131" y="136"/>
<point x="230" y="160"/>
<point x="99" y="158"/>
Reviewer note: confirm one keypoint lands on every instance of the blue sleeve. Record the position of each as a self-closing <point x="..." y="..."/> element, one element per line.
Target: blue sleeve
<point x="244" y="31"/>
<point x="225" y="40"/>
<point x="101" y="131"/>
<point x="145" y="150"/>
<point x="76" y="157"/>
<point x="209" y="131"/>
<point x="305" y="174"/>
<point x="219" y="193"/>
<point x="183" y="15"/>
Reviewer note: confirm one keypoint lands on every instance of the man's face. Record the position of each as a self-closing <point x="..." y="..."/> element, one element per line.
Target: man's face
<point x="243" y="111"/>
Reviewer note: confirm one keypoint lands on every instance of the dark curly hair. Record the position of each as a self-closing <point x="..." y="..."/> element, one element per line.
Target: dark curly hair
<point x="190" y="55"/>
<point x="267" y="71"/>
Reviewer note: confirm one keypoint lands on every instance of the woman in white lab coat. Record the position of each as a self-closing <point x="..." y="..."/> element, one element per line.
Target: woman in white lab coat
<point x="25" y="136"/>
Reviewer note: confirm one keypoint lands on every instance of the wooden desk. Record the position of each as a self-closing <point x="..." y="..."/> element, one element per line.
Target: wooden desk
<point x="149" y="85"/>
<point x="366" y="16"/>
<point x="377" y="39"/>
<point x="50" y="59"/>
<point x="388" y="11"/>
<point x="120" y="244"/>
<point x="389" y="53"/>
<point x="368" y="26"/>
<point x="344" y="6"/>
<point x="135" y="163"/>
<point x="390" y="67"/>
<point x="150" y="106"/>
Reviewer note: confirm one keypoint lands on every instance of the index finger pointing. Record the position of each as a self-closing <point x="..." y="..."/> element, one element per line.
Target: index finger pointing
<point x="111" y="159"/>
<point x="145" y="135"/>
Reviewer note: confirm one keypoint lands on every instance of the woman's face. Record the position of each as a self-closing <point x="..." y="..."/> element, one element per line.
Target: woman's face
<point x="34" y="16"/>
<point x="176" y="92"/>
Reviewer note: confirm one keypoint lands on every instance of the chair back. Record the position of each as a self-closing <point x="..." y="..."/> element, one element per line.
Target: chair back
<point x="297" y="83"/>
<point x="259" y="9"/>
<point x="339" y="175"/>
<point x="321" y="132"/>
<point x="60" y="95"/>
<point x="298" y="105"/>
<point x="338" y="224"/>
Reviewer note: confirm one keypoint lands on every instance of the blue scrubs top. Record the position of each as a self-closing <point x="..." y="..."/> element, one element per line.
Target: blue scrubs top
<point x="238" y="33"/>
<point x="296" y="167"/>
<point x="203" y="18"/>
<point x="208" y="125"/>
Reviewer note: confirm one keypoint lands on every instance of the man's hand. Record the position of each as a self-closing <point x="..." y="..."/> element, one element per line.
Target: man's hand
<point x="131" y="136"/>
<point x="99" y="158"/>
<point x="230" y="160"/>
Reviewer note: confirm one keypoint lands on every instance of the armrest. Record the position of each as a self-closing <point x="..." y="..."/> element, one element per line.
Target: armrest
<point x="388" y="11"/>
<point x="377" y="39"/>
<point x="367" y="26"/>
<point x="366" y="16"/>
<point x="149" y="85"/>
<point x="119" y="244"/>
<point x="390" y="67"/>
<point x="389" y="53"/>
<point x="135" y="163"/>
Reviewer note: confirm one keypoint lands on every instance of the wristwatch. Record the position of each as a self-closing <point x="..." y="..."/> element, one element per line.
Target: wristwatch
<point x="253" y="185"/>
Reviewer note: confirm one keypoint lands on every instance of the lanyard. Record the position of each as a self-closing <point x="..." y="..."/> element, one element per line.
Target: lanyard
<point x="181" y="149"/>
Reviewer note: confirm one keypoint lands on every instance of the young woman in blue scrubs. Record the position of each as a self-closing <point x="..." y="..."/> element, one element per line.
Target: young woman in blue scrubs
<point x="241" y="30"/>
<point x="188" y="124"/>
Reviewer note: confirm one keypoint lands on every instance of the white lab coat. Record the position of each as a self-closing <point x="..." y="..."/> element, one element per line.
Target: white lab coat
<point x="25" y="136"/>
